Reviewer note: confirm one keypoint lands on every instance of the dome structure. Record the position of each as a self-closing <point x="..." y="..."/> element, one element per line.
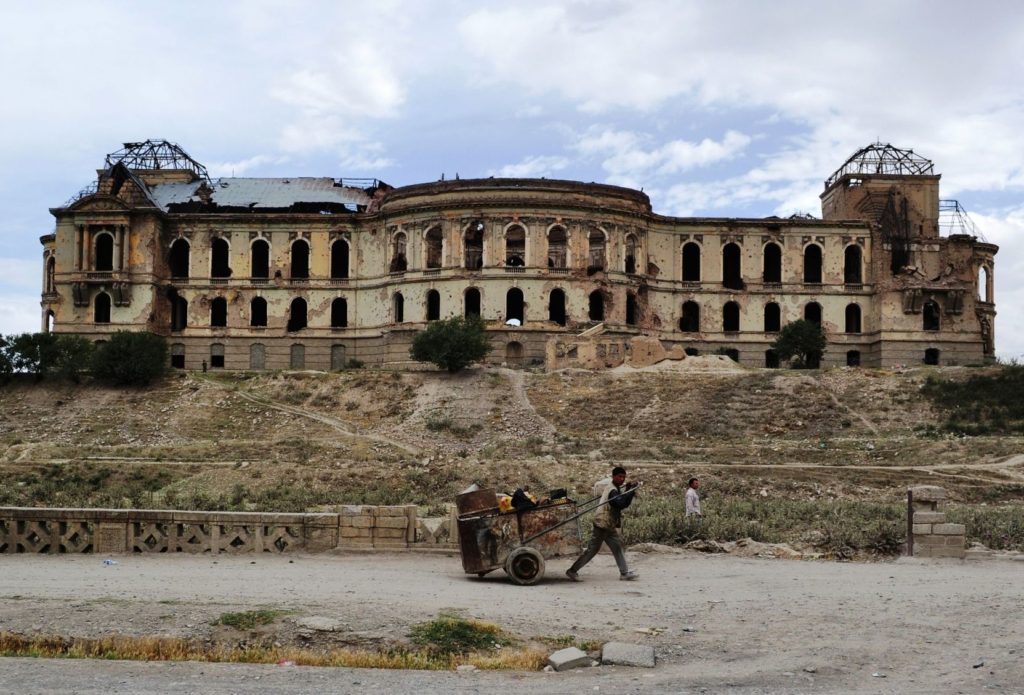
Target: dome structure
<point x="882" y="159"/>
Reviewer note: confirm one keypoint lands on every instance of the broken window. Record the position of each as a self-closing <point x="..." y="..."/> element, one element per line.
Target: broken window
<point x="473" y="247"/>
<point x="217" y="355"/>
<point x="297" y="315"/>
<point x="297" y="358"/>
<point x="732" y="353"/>
<point x="515" y="305"/>
<point x="771" y="359"/>
<point x="772" y="318"/>
<point x="772" y="263"/>
<point x="472" y="301"/>
<point x="433" y="305"/>
<point x="852" y="265"/>
<point x="300" y="260"/>
<point x="179" y="311"/>
<point x="399" y="263"/>
<point x="260" y="259"/>
<point x="596" y="302"/>
<point x="219" y="312"/>
<point x="398" y="307"/>
<point x="983" y="288"/>
<point x="179" y="258"/>
<point x="732" y="275"/>
<point x="219" y="253"/>
<point x="852" y="318"/>
<point x="930" y="316"/>
<point x="101" y="308"/>
<point x="515" y="247"/>
<point x="435" y="247"/>
<point x="258" y="312"/>
<point x="51" y="273"/>
<point x="931" y="356"/>
<point x="689" y="322"/>
<point x="49" y="322"/>
<point x="557" y="248"/>
<point x="257" y="356"/>
<point x="631" y="251"/>
<point x="338" y="360"/>
<point x="812" y="313"/>
<point x="595" y="250"/>
<point x="853" y="358"/>
<point x="812" y="264"/>
<point x="631" y="309"/>
<point x="339" y="259"/>
<point x="691" y="262"/>
<point x="339" y="313"/>
<point x="731" y="317"/>
<point x="177" y="355"/>
<point x="556" y="306"/>
<point x="104" y="259"/>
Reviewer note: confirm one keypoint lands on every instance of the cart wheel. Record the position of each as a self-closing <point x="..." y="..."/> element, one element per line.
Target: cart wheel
<point x="525" y="566"/>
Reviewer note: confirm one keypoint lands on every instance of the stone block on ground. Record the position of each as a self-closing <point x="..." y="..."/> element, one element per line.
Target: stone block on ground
<point x="928" y="493"/>
<point x="625" y="654"/>
<point x="949" y="529"/>
<point x="570" y="657"/>
<point x="929" y="517"/>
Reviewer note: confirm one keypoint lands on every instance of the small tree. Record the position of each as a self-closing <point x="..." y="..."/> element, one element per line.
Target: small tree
<point x="452" y="344"/>
<point x="803" y="342"/>
<point x="5" y="362"/>
<point x="131" y="358"/>
<point x="68" y="356"/>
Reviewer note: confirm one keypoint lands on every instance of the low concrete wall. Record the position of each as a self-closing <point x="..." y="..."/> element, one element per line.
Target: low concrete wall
<point x="932" y="536"/>
<point x="42" y="530"/>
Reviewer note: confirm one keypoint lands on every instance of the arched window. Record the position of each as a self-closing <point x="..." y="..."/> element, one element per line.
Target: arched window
<point x="630" y="260"/>
<point x="219" y="312"/>
<point x="433" y="305"/>
<point x="435" y="247"/>
<point x="853" y="358"/>
<point x="258" y="312"/>
<point x="689" y="321"/>
<point x="731" y="317"/>
<point x="260" y="259"/>
<point x="930" y="316"/>
<point x="179" y="258"/>
<point x="398" y="308"/>
<point x="473" y="245"/>
<point x="217" y="355"/>
<point x="852" y="318"/>
<point x="772" y="318"/>
<point x="556" y="306"/>
<point x="812" y="264"/>
<point x="51" y="274"/>
<point x="931" y="356"/>
<point x="297" y="315"/>
<point x="49" y="322"/>
<point x="812" y="313"/>
<point x="596" y="306"/>
<point x="339" y="313"/>
<point x="177" y="355"/>
<point x="732" y="273"/>
<point x="772" y="263"/>
<point x="557" y="248"/>
<point x="515" y="307"/>
<point x="399" y="261"/>
<point x="300" y="260"/>
<point x="515" y="247"/>
<point x="691" y="262"/>
<point x="101" y="308"/>
<point x="219" y="257"/>
<point x="631" y="309"/>
<point x="257" y="356"/>
<point x="104" y="258"/>
<point x="339" y="259"/>
<point x="853" y="273"/>
<point x="297" y="356"/>
<point x="472" y="301"/>
<point x="983" y="289"/>
<point x="179" y="311"/>
<point x="595" y="250"/>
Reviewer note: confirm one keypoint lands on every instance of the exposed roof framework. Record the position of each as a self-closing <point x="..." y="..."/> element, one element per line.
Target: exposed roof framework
<point x="156" y="154"/>
<point x="879" y="158"/>
<point x="953" y="219"/>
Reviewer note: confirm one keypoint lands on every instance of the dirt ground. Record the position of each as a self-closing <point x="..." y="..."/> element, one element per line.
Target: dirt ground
<point x="717" y="622"/>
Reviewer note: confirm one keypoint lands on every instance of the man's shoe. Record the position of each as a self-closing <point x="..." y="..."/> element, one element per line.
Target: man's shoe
<point x="629" y="576"/>
<point x="573" y="576"/>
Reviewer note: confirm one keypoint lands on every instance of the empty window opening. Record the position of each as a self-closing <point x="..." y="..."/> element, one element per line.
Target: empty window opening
<point x="556" y="306"/>
<point x="812" y="264"/>
<point x="984" y="289"/>
<point x="631" y="250"/>
<point x="260" y="259"/>
<point x="631" y="309"/>
<point x="51" y="274"/>
<point x="515" y="247"/>
<point x="433" y="305"/>
<point x="219" y="312"/>
<point x="596" y="306"/>
<point x="732" y="353"/>
<point x="399" y="262"/>
<point x="732" y="276"/>
<point x="179" y="311"/>
<point x="772" y="318"/>
<point x="595" y="251"/>
<point x="557" y="245"/>
<point x="177" y="355"/>
<point x="258" y="312"/>
<point x="731" y="317"/>
<point x="472" y="300"/>
<point x="339" y="313"/>
<point x="852" y="318"/>
<point x="931" y="356"/>
<point x="339" y="259"/>
<point x="771" y="359"/>
<point x="104" y="259"/>
<point x="853" y="358"/>
<point x="300" y="260"/>
<point x="853" y="273"/>
<point x="297" y="358"/>
<point x="930" y="316"/>
<point x="772" y="263"/>
<point x="297" y="315"/>
<point x="435" y="247"/>
<point x="691" y="262"/>
<point x="473" y="247"/>
<point x="514" y="353"/>
<point x="514" y="305"/>
<point x="179" y="258"/>
<point x="692" y="352"/>
<point x="398" y="307"/>
<point x="812" y="313"/>
<point x="338" y="357"/>
<point x="219" y="256"/>
<point x="49" y="322"/>
<point x="101" y="308"/>
<point x="690" y="319"/>
<point x="257" y="356"/>
<point x="217" y="356"/>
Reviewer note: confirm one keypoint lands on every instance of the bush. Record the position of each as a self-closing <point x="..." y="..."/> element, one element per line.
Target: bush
<point x="131" y="358"/>
<point x="452" y="344"/>
<point x="801" y="341"/>
<point x="45" y="354"/>
<point x="983" y="404"/>
<point x="5" y="362"/>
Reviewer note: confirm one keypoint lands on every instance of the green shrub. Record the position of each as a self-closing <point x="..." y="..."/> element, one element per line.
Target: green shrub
<point x="801" y="341"/>
<point x="453" y="635"/>
<point x="452" y="344"/>
<point x="131" y="358"/>
<point x="45" y="354"/>
<point x="988" y="403"/>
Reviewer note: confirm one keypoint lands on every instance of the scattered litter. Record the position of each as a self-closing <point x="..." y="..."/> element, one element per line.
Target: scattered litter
<point x="285" y="662"/>
<point x="979" y="664"/>
<point x="877" y="675"/>
<point x="810" y="669"/>
<point x="688" y="628"/>
<point x="466" y="668"/>
<point x="108" y="562"/>
<point x="655" y="631"/>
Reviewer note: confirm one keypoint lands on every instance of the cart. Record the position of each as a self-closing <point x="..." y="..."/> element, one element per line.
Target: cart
<point x="516" y="541"/>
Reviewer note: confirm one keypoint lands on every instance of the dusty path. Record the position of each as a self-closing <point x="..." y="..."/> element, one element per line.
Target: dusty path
<point x="749" y="625"/>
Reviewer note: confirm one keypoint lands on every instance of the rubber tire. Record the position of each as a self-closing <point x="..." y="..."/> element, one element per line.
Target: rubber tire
<point x="525" y="566"/>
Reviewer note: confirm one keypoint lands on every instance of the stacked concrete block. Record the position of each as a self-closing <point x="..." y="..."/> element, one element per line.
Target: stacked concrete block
<point x="394" y="527"/>
<point x="933" y="537"/>
<point x="355" y="527"/>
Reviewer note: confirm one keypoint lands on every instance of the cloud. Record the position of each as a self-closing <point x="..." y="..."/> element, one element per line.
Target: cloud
<point x="532" y="167"/>
<point x="19" y="313"/>
<point x="241" y="167"/>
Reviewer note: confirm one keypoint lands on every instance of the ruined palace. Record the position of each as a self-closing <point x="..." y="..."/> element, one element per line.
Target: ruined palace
<point x="311" y="273"/>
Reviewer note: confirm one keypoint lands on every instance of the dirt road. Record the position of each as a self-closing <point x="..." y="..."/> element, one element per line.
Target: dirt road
<point x="748" y="625"/>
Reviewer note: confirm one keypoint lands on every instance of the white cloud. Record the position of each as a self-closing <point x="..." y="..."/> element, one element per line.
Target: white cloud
<point x="22" y="273"/>
<point x="239" y="168"/>
<point x="531" y="167"/>
<point x="19" y="313"/>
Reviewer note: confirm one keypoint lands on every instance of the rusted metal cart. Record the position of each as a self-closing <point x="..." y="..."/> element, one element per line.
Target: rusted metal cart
<point x="515" y="541"/>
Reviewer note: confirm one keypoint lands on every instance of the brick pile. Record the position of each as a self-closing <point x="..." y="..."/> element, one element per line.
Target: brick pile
<point x="933" y="537"/>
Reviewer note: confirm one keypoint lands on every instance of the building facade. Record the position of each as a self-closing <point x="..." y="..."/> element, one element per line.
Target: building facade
<point x="247" y="273"/>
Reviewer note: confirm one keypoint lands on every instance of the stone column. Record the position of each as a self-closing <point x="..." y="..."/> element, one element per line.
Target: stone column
<point x="79" y="240"/>
<point x="118" y="236"/>
<point x="932" y="536"/>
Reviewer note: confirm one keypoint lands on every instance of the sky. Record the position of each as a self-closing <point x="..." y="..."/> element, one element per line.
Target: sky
<point x="722" y="108"/>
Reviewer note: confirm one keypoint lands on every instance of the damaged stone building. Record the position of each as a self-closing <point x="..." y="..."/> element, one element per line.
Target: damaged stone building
<point x="269" y="273"/>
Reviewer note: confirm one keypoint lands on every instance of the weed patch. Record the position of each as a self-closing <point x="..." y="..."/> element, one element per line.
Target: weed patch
<point x="248" y="620"/>
<point x="450" y="634"/>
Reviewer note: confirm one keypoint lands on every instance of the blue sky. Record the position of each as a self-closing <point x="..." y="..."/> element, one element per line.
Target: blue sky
<point x="721" y="109"/>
